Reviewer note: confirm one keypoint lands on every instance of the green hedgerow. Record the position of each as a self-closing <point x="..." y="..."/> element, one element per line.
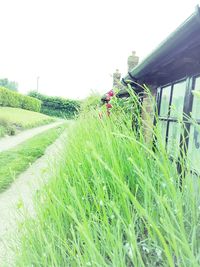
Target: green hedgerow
<point x="13" y="99"/>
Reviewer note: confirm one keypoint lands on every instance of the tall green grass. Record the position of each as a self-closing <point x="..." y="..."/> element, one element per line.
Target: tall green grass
<point x="113" y="202"/>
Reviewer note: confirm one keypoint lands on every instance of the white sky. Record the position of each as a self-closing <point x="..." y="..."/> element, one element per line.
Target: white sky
<point x="75" y="45"/>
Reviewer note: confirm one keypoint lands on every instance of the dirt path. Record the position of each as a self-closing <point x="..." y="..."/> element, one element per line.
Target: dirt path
<point x="20" y="196"/>
<point x="12" y="141"/>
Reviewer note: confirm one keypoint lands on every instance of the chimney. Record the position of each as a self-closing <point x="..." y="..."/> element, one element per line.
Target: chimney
<point x="116" y="78"/>
<point x="132" y="61"/>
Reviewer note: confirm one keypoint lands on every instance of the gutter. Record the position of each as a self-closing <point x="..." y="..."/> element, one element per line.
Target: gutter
<point x="168" y="49"/>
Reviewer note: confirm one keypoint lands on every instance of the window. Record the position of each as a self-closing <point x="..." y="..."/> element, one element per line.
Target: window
<point x="166" y="91"/>
<point x="171" y="111"/>
<point x="178" y="96"/>
<point x="196" y="100"/>
<point x="174" y="134"/>
<point x="194" y="136"/>
<point x="172" y="100"/>
<point x="194" y="147"/>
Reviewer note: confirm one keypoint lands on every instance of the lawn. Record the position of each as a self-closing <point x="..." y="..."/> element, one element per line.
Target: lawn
<point x="16" y="160"/>
<point x="113" y="202"/>
<point x="15" y="119"/>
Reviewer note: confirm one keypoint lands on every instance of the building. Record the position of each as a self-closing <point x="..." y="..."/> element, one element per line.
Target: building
<point x="172" y="72"/>
<point x="132" y="61"/>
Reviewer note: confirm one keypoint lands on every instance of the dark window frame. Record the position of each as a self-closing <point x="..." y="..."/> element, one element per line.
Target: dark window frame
<point x="187" y="109"/>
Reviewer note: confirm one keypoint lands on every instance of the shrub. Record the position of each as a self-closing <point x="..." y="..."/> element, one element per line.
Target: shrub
<point x="9" y="98"/>
<point x="57" y="106"/>
<point x="31" y="103"/>
<point x="91" y="102"/>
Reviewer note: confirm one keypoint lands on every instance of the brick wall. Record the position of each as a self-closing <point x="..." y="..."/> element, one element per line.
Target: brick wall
<point x="148" y="114"/>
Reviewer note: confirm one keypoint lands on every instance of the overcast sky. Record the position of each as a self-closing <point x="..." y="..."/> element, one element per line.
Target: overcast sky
<point x="75" y="45"/>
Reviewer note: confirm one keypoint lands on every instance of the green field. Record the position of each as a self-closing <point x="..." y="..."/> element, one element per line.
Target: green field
<point x="16" y="160"/>
<point x="15" y="119"/>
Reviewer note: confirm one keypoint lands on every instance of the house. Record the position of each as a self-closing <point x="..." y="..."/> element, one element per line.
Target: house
<point x="172" y="72"/>
<point x="132" y="62"/>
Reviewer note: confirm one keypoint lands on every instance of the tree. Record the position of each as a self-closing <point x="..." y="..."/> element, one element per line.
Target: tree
<point x="9" y="84"/>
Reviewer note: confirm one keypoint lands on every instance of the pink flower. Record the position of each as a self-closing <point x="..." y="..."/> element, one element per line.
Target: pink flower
<point x="111" y="93"/>
<point x="108" y="105"/>
<point x="108" y="97"/>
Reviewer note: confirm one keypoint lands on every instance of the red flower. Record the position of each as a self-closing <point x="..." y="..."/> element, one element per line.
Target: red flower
<point x="108" y="105"/>
<point x="107" y="97"/>
<point x="111" y="93"/>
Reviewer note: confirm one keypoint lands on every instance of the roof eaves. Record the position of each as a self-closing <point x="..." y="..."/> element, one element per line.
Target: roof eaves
<point x="167" y="47"/>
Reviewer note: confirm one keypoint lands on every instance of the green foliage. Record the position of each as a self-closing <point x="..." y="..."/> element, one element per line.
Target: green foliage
<point x="9" y="84"/>
<point x="16" y="160"/>
<point x="13" y="120"/>
<point x="196" y="93"/>
<point x="91" y="102"/>
<point x="31" y="103"/>
<point x="114" y="202"/>
<point x="6" y="128"/>
<point x="3" y="130"/>
<point x="9" y="98"/>
<point x="57" y="106"/>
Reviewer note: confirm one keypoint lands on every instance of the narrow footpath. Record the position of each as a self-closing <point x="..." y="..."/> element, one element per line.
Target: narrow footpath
<point x="19" y="198"/>
<point x="12" y="141"/>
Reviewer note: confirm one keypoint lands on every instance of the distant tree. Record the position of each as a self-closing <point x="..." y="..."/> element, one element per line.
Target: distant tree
<point x="9" y="84"/>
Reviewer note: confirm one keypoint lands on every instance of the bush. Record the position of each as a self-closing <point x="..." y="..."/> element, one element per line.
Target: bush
<point x="91" y="102"/>
<point x="9" y="98"/>
<point x="57" y="106"/>
<point x="31" y="103"/>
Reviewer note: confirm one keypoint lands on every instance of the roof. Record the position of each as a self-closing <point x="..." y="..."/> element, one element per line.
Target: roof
<point x="177" y="55"/>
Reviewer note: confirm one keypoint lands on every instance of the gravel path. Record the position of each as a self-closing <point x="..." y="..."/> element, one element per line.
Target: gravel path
<point x="19" y="197"/>
<point x="12" y="141"/>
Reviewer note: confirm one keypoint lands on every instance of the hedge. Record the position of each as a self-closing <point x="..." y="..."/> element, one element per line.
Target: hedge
<point x="13" y="99"/>
<point x="57" y="106"/>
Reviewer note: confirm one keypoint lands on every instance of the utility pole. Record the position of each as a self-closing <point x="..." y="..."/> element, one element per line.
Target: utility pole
<point x="37" y="84"/>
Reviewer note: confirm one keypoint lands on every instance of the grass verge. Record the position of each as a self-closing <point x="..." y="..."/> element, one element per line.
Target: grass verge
<point x="15" y="119"/>
<point x="16" y="160"/>
<point x="113" y="202"/>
